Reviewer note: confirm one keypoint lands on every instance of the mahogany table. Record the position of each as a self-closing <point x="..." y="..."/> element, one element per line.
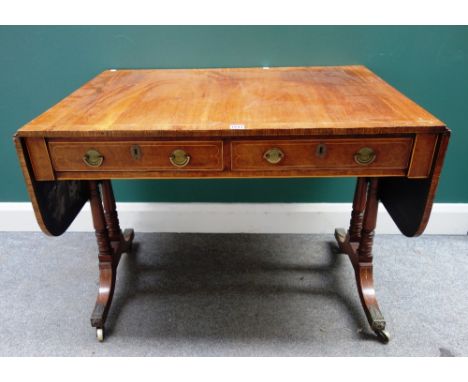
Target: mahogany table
<point x="234" y="123"/>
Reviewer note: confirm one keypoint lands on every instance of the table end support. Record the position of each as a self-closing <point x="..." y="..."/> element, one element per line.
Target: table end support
<point x="111" y="244"/>
<point x="357" y="244"/>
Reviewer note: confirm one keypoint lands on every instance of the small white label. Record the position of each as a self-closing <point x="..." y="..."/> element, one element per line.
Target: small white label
<point x="237" y="127"/>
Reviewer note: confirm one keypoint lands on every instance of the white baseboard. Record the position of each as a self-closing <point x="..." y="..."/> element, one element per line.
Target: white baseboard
<point x="446" y="219"/>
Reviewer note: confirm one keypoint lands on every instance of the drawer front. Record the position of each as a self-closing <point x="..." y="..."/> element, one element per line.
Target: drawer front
<point x="137" y="156"/>
<point x="353" y="154"/>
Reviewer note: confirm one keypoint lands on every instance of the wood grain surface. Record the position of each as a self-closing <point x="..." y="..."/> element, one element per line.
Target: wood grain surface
<point x="338" y="154"/>
<point x="241" y="123"/>
<point x="226" y="121"/>
<point x="204" y="155"/>
<point x="55" y="203"/>
<point x="233" y="102"/>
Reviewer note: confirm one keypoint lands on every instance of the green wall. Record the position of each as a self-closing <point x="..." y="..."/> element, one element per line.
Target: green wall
<point x="41" y="65"/>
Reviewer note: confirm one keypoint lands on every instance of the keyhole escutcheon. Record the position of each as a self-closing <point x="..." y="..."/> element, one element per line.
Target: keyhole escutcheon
<point x="321" y="150"/>
<point x="135" y="151"/>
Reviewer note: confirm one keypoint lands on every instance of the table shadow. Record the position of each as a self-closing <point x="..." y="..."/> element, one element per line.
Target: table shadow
<point x="238" y="287"/>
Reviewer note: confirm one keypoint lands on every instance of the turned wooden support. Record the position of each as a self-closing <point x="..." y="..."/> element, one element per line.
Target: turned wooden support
<point x="107" y="261"/>
<point x="111" y="244"/>
<point x="357" y="244"/>
<point x="369" y="223"/>
<point x="359" y="205"/>
<point x="110" y="211"/>
<point x="99" y="222"/>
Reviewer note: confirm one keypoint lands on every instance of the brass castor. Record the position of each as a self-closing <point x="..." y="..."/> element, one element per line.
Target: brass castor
<point x="100" y="334"/>
<point x="128" y="236"/>
<point x="383" y="336"/>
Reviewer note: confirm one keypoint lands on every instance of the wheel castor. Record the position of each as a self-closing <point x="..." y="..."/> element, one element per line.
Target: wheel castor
<point x="100" y="334"/>
<point x="383" y="336"/>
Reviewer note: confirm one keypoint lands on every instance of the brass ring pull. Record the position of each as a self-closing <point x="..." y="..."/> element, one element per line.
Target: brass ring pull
<point x="179" y="158"/>
<point x="365" y="156"/>
<point x="273" y="155"/>
<point x="93" y="158"/>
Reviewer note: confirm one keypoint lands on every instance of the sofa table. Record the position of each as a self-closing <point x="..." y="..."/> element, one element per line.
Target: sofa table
<point x="291" y="122"/>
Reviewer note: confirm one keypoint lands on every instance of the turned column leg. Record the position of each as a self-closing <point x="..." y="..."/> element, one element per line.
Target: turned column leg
<point x="106" y="261"/>
<point x="364" y="266"/>
<point x="121" y="242"/>
<point x="349" y="240"/>
<point x="357" y="244"/>
<point x="110" y="211"/>
<point x="359" y="205"/>
<point x="111" y="244"/>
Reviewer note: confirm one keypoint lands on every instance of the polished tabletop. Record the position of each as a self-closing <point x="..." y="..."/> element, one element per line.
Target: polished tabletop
<point x="257" y="101"/>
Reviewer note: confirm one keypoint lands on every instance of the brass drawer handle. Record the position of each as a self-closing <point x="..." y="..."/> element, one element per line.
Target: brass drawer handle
<point x="273" y="155"/>
<point x="179" y="158"/>
<point x="365" y="156"/>
<point x="93" y="158"/>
